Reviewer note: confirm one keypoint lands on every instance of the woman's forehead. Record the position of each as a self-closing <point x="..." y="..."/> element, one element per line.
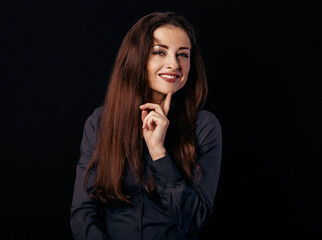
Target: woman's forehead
<point x="171" y="35"/>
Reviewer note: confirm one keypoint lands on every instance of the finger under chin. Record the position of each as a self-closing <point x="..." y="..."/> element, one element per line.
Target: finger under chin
<point x="167" y="102"/>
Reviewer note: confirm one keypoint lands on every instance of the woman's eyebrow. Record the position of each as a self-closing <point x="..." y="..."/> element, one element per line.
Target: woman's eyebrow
<point x="180" y="48"/>
<point x="166" y="47"/>
<point x="161" y="45"/>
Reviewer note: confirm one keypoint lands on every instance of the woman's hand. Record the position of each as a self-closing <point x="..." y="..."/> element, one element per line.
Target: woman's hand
<point x="155" y="125"/>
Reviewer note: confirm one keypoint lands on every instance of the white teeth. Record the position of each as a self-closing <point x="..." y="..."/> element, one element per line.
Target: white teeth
<point x="168" y="76"/>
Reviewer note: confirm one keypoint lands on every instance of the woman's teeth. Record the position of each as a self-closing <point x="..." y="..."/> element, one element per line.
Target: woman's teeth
<point x="169" y="76"/>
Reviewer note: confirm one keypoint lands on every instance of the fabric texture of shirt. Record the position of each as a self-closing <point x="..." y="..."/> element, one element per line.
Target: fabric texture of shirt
<point x="182" y="209"/>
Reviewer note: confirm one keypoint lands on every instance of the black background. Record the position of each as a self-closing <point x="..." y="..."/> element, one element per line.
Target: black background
<point x="263" y="61"/>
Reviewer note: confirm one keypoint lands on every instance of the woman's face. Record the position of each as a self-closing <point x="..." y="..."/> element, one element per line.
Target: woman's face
<point x="169" y="63"/>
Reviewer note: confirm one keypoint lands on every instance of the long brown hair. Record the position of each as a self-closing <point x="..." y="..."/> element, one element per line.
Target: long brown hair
<point x="120" y="142"/>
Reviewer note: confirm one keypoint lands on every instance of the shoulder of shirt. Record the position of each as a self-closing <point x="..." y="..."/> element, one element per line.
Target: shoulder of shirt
<point x="93" y="120"/>
<point x="208" y="130"/>
<point x="207" y="123"/>
<point x="97" y="113"/>
<point x="207" y="118"/>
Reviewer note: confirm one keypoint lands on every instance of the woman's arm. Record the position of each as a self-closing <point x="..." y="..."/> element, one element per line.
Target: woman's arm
<point x="189" y="207"/>
<point x="86" y="213"/>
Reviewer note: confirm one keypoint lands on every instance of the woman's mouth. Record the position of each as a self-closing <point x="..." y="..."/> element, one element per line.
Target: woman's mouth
<point x="169" y="77"/>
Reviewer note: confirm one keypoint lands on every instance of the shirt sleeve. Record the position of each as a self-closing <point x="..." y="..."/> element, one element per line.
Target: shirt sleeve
<point x="86" y="213"/>
<point x="190" y="206"/>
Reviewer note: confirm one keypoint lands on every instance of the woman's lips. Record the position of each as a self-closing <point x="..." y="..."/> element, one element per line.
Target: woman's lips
<point x="169" y="77"/>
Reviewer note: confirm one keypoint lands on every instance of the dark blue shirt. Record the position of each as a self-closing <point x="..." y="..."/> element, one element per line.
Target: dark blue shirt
<point x="182" y="209"/>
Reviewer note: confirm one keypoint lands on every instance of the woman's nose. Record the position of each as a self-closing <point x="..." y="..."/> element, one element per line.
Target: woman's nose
<point x="172" y="62"/>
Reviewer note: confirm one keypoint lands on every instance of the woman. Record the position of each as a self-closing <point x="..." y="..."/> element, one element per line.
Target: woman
<point x="150" y="157"/>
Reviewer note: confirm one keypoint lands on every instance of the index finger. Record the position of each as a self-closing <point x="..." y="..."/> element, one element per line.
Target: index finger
<point x="166" y="106"/>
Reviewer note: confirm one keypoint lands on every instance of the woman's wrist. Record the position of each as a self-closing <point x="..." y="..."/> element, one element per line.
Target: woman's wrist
<point x="157" y="153"/>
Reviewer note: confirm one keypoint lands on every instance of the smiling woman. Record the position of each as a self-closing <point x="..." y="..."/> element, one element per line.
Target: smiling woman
<point x="150" y="157"/>
<point x="169" y="63"/>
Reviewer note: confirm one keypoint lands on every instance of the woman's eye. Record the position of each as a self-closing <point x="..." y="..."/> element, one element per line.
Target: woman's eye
<point x="158" y="53"/>
<point x="183" y="55"/>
